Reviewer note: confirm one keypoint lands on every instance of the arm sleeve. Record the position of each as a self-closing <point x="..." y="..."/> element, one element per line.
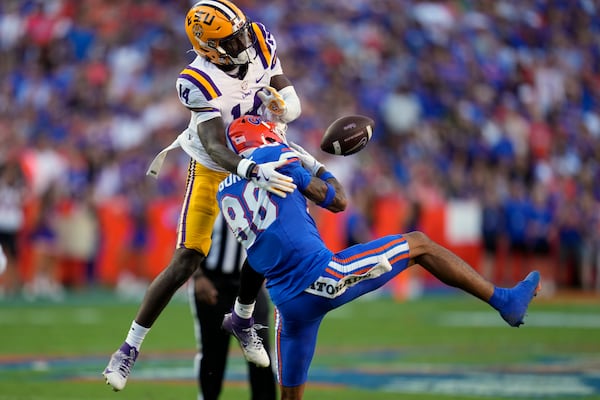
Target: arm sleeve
<point x="292" y="103"/>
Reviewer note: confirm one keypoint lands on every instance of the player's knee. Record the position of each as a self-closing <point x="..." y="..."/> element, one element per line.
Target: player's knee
<point x="184" y="263"/>
<point x="418" y="242"/>
<point x="417" y="238"/>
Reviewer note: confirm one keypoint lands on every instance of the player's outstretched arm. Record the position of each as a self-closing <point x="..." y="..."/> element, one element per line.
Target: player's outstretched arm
<point x="212" y="136"/>
<point x="323" y="188"/>
<point x="326" y="192"/>
<point x="280" y="81"/>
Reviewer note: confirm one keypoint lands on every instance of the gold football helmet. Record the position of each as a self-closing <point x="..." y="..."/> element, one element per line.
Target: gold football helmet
<point x="220" y="31"/>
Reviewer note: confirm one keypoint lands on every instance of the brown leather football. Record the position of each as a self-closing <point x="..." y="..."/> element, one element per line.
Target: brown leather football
<point x="347" y="135"/>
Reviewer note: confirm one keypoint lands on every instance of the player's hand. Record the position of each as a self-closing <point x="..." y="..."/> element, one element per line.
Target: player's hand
<point x="205" y="290"/>
<point x="266" y="177"/>
<point x="309" y="162"/>
<point x="272" y="100"/>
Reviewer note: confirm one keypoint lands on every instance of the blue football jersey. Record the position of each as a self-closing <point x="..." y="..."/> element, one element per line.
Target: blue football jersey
<point x="280" y="236"/>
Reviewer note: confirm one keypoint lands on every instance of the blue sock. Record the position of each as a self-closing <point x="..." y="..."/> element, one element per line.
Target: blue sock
<point x="499" y="298"/>
<point x="512" y="303"/>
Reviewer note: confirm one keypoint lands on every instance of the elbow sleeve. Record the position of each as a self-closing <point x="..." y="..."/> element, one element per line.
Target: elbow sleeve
<point x="292" y="104"/>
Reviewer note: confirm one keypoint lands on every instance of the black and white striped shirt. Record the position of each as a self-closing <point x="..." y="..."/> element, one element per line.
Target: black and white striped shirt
<point x="226" y="254"/>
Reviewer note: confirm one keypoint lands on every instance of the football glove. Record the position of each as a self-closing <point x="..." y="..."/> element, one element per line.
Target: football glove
<point x="308" y="161"/>
<point x="266" y="177"/>
<point x="272" y="100"/>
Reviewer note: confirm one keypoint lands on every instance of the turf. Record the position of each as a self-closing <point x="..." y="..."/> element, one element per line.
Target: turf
<point x="439" y="347"/>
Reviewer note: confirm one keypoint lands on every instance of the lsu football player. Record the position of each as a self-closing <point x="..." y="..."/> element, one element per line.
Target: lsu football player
<point x="236" y="72"/>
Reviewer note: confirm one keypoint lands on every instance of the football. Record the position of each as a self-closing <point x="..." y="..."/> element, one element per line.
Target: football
<point x="347" y="135"/>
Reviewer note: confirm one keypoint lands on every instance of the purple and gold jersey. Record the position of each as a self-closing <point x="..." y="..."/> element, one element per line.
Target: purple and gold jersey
<point x="211" y="92"/>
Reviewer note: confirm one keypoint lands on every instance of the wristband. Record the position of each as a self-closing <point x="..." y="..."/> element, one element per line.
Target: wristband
<point x="329" y="196"/>
<point x="326" y="175"/>
<point x="244" y="168"/>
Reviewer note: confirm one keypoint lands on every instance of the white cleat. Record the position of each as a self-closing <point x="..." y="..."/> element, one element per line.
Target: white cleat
<point x="119" y="367"/>
<point x="250" y="342"/>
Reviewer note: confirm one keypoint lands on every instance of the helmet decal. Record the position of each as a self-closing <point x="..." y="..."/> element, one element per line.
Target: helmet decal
<point x="222" y="6"/>
<point x="197" y="29"/>
<point x="254" y="120"/>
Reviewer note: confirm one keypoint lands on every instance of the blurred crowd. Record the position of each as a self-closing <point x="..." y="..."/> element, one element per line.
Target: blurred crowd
<point x="493" y="101"/>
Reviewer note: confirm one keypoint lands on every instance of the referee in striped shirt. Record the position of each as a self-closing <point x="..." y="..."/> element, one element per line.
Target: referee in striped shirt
<point x="211" y="297"/>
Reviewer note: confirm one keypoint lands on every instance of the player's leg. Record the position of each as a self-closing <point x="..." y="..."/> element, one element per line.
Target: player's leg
<point x="452" y="270"/>
<point x="358" y="270"/>
<point x="199" y="210"/>
<point x="251" y="283"/>
<point x="9" y="274"/>
<point x="416" y="248"/>
<point x="296" y="341"/>
<point x="240" y="322"/>
<point x="262" y="380"/>
<point x="157" y="296"/>
<point x="292" y="392"/>
<point x="211" y="359"/>
<point x="160" y="291"/>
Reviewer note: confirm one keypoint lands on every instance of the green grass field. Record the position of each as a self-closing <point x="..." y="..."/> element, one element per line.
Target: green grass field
<point x="439" y="347"/>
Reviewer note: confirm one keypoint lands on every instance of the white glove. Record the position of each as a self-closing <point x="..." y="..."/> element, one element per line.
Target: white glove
<point x="272" y="100"/>
<point x="308" y="161"/>
<point x="265" y="177"/>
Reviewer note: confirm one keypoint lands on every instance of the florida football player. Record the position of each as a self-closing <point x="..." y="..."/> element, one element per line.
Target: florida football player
<point x="304" y="278"/>
<point x="236" y="72"/>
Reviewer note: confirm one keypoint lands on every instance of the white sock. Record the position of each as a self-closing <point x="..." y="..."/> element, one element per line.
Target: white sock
<point x="136" y="335"/>
<point x="243" y="310"/>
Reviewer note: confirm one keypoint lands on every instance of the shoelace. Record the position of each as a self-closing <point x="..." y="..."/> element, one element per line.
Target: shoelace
<point x="125" y="364"/>
<point x="252" y="336"/>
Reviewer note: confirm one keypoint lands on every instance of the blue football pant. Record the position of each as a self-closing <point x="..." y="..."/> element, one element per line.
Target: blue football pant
<point x="345" y="278"/>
